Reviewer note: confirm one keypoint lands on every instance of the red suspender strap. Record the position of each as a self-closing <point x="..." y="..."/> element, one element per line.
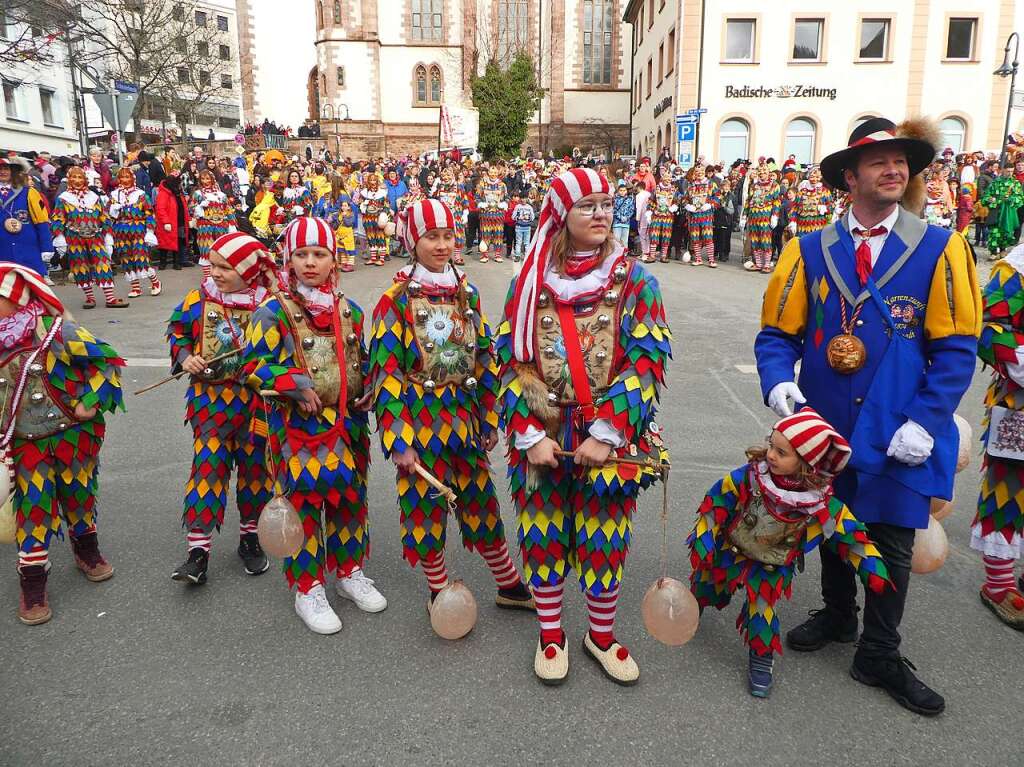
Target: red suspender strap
<point x="574" y="356"/>
<point x="342" y="359"/>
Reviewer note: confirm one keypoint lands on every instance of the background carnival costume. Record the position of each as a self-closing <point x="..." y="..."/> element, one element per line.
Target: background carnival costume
<point x="133" y="226"/>
<point x="663" y="205"/>
<point x="761" y="211"/>
<point x="311" y="338"/>
<point x="435" y="383"/>
<point x="57" y="380"/>
<point x="492" y="200"/>
<point x="582" y="349"/>
<point x="212" y="215"/>
<point x="228" y="423"/>
<point x="812" y="206"/>
<point x="701" y="201"/>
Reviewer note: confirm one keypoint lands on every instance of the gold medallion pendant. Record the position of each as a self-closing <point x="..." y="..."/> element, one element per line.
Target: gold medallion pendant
<point x="12" y="225"/>
<point x="846" y="353"/>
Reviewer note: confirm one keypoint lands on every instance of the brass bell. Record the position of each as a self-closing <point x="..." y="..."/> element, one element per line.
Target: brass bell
<point x="543" y="300"/>
<point x="35" y="368"/>
<point x="429" y="385"/>
<point x="470" y="348"/>
<point x="429" y="346"/>
<point x="297" y="316"/>
<point x="346" y="312"/>
<point x="350" y="339"/>
<point x="308" y="343"/>
<point x="207" y="372"/>
<point x="421" y="316"/>
<point x="469" y="289"/>
<point x="413" y="289"/>
<point x="619" y="274"/>
<point x="611" y="297"/>
<point x="549" y="352"/>
<point x="62" y="426"/>
<point x="734" y="550"/>
<point x="790" y="540"/>
<point x="211" y="315"/>
<point x="314" y="370"/>
<point x="356" y="366"/>
<point x="601" y="355"/>
<point x="469" y="314"/>
<point x="547" y="322"/>
<point x="51" y="414"/>
<point x="603" y="320"/>
<point x="552" y="397"/>
<point x="3" y="381"/>
<point x="471" y="383"/>
<point x="30" y="436"/>
<point x="769" y="568"/>
<point x="749" y="520"/>
<point x="38" y="397"/>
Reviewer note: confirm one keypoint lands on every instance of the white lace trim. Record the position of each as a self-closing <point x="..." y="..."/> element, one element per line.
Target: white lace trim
<point x="419" y="273"/>
<point x="802" y="501"/>
<point x="240" y="300"/>
<point x="995" y="544"/>
<point x="568" y="288"/>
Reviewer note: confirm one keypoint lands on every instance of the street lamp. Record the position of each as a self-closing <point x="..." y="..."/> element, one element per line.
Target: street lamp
<point x="1008" y="69"/>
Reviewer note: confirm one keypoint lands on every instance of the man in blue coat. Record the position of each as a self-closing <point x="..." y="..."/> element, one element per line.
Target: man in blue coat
<point x="24" y="220"/>
<point x="883" y="312"/>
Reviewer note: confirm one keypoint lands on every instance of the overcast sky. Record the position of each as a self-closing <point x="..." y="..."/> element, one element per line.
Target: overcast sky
<point x="285" y="52"/>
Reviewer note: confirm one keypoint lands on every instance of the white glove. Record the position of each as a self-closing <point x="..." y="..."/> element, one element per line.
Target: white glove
<point x="647" y="216"/>
<point x="297" y="210"/>
<point x="792" y="227"/>
<point x="108" y="244"/>
<point x="114" y="210"/>
<point x="47" y="257"/>
<point x="911" y="444"/>
<point x="774" y="221"/>
<point x="822" y="210"/>
<point x="150" y="238"/>
<point x="167" y="227"/>
<point x="673" y="208"/>
<point x="503" y="205"/>
<point x="362" y="207"/>
<point x="779" y="396"/>
<point x="1015" y="370"/>
<point x="232" y="228"/>
<point x="706" y="206"/>
<point x="465" y="217"/>
<point x="60" y="244"/>
<point x="743" y="222"/>
<point x="692" y="208"/>
<point x="200" y="211"/>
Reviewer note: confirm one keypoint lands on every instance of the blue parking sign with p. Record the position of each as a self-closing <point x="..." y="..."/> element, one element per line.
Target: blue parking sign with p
<point x="686" y="131"/>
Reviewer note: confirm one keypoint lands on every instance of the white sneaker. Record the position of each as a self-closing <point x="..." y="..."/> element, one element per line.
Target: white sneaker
<point x="316" y="612"/>
<point x="361" y="590"/>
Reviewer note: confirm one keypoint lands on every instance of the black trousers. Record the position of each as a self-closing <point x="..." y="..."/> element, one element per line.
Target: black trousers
<point x="882" y="612"/>
<point x="472" y="228"/>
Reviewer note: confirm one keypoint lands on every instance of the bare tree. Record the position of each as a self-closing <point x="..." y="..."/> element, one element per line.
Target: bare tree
<point x="32" y="31"/>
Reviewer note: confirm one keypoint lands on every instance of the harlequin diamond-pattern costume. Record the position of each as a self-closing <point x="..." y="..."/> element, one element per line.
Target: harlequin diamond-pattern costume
<point x="227" y="419"/>
<point x="1005" y="196"/>
<point x="374" y="202"/>
<point x="811" y="208"/>
<point x="724" y="562"/>
<point x="321" y="460"/>
<point x="133" y="227"/>
<point x="763" y="204"/>
<point x="701" y="202"/>
<point x="571" y="517"/>
<point x="435" y="383"/>
<point x="663" y="206"/>
<point x="492" y="201"/>
<point x="214" y="215"/>
<point x="80" y="224"/>
<point x="452" y="195"/>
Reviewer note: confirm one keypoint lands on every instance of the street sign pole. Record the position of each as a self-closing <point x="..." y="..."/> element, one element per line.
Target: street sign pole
<point x="117" y="128"/>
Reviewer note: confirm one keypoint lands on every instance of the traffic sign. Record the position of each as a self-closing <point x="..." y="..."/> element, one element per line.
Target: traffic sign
<point x="686" y="119"/>
<point x="117" y="117"/>
<point x="125" y="87"/>
<point x="686" y="131"/>
<point x="696" y="111"/>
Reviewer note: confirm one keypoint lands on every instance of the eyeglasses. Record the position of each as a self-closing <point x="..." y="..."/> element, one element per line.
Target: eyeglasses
<point x="588" y="209"/>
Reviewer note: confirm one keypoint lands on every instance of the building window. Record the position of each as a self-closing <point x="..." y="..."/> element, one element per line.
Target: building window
<point x="323" y="85"/>
<point x="320" y="14"/>
<point x="225" y="52"/>
<point x="49" y="105"/>
<point x="337" y="12"/>
<point x="203" y="49"/>
<point x="650" y="13"/>
<point x="228" y="122"/>
<point x="658" y="145"/>
<point x="739" y="39"/>
<point x="954" y="134"/>
<point x="512" y="29"/>
<point x="650" y="76"/>
<point x="435" y="84"/>
<point x="180" y="44"/>
<point x="668" y="136"/>
<point x="640" y="26"/>
<point x="178" y="12"/>
<point x="661" y="63"/>
<point x="222" y="23"/>
<point x="807" y="34"/>
<point x="341" y="77"/>
<point x="204" y="77"/>
<point x="225" y="82"/>
<point x="733" y="141"/>
<point x="874" y="39"/>
<point x="183" y="76"/>
<point x="960" y="38"/>
<point x="800" y="134"/>
<point x="670" y="62"/>
<point x="421" y="85"/>
<point x="598" y="18"/>
<point x="11" y="101"/>
<point x="200" y="18"/>
<point x="426" y="19"/>
<point x="639" y="90"/>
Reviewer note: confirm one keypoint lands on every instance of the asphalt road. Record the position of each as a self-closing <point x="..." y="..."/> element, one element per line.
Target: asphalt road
<point x="142" y="671"/>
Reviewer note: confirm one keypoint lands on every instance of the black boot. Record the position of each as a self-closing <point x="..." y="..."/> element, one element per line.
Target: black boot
<point x="252" y="555"/>
<point x="824" y="626"/>
<point x="517" y="597"/>
<point x="194" y="569"/>
<point x="894" y="675"/>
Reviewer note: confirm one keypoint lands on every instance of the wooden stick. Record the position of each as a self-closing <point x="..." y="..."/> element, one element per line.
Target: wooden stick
<point x="446" y="492"/>
<point x="646" y="463"/>
<point x="176" y="376"/>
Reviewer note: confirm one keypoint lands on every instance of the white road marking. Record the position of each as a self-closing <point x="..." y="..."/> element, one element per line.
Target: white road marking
<point x="738" y="401"/>
<point x="148" y="362"/>
<point x="748" y="369"/>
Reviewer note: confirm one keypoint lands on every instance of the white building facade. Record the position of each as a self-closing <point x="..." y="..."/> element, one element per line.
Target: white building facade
<point x="797" y="76"/>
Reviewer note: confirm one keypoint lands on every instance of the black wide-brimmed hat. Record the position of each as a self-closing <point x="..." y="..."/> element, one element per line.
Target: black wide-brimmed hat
<point x="874" y="132"/>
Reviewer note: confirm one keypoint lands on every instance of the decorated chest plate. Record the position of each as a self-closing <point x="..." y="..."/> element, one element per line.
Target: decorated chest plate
<point x="597" y="326"/>
<point x="223" y="330"/>
<point x="663" y="199"/>
<point x="493" y="193"/>
<point x="763" y="536"/>
<point x="446" y="340"/>
<point x="41" y="413"/>
<point x="318" y="353"/>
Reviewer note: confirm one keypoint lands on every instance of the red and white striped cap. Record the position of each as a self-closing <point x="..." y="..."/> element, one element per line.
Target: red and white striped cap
<point x="815" y="441"/>
<point x="565" y="191"/>
<point x="422" y="216"/>
<point x="20" y="285"/>
<point x="307" y="232"/>
<point x="246" y="254"/>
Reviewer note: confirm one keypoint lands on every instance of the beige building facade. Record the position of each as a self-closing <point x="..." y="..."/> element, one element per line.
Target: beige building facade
<point x="796" y="76"/>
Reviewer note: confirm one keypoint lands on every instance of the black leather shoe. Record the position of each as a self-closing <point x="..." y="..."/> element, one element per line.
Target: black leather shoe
<point x="193" y="571"/>
<point x="251" y="553"/>
<point x="894" y="675"/>
<point x="824" y="626"/>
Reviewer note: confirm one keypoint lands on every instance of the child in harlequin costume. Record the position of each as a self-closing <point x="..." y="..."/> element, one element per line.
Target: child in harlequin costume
<point x="492" y="200"/>
<point x="758" y="522"/>
<point x="999" y="522"/>
<point x="812" y="206"/>
<point x="435" y="383"/>
<point x="24" y="218"/>
<point x="81" y="228"/>
<point x="305" y="354"/>
<point x="296" y="199"/>
<point x="411" y="197"/>
<point x="373" y="204"/>
<point x="342" y="214"/>
<point x="700" y="206"/>
<point x="449" y="192"/>
<point x="133" y="226"/>
<point x="663" y="206"/>
<point x="760" y="216"/>
<point x="57" y="378"/>
<point x="212" y="216"/>
<point x="227" y="418"/>
<point x="582" y="348"/>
